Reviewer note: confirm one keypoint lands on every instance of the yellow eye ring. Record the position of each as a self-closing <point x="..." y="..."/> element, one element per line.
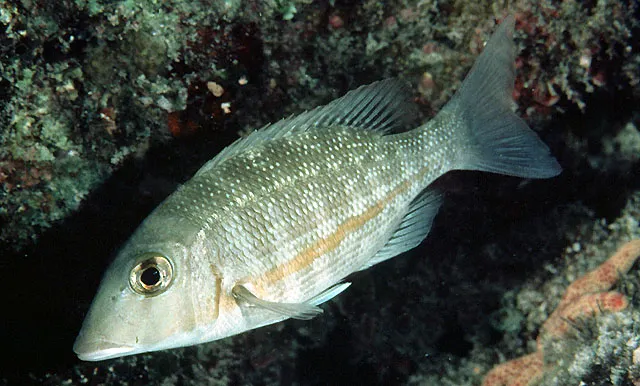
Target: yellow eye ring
<point x="152" y="275"/>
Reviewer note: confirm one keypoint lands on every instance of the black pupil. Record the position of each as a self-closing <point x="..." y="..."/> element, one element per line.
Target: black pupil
<point x="150" y="276"/>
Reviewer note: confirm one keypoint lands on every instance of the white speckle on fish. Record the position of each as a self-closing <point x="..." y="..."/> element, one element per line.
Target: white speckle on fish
<point x="268" y="229"/>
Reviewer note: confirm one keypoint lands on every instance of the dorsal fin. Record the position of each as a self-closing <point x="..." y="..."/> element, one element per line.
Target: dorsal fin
<point x="381" y="106"/>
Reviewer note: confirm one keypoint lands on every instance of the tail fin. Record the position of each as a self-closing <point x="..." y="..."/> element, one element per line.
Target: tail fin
<point x="495" y="139"/>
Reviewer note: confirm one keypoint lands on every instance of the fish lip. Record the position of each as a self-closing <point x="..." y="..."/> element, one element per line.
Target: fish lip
<point x="100" y="350"/>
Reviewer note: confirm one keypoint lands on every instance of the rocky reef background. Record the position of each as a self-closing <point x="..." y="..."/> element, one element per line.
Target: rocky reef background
<point x="106" y="106"/>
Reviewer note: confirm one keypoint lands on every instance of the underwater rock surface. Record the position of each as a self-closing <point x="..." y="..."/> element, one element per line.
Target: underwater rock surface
<point x="105" y="107"/>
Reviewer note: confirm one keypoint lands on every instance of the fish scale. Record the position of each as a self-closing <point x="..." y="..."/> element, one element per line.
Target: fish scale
<point x="314" y="202"/>
<point x="270" y="227"/>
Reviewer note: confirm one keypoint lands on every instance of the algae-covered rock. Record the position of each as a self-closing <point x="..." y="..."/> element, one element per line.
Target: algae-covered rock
<point x="105" y="109"/>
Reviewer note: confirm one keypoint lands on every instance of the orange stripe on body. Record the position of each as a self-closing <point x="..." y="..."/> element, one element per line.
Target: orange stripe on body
<point x="325" y="245"/>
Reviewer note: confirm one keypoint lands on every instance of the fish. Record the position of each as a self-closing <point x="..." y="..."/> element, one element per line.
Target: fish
<point x="270" y="228"/>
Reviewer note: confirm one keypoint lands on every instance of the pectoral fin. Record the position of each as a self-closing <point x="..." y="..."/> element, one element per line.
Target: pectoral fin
<point x="291" y="310"/>
<point x="305" y="310"/>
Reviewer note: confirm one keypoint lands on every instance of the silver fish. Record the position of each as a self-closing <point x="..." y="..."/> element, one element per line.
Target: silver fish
<point x="269" y="228"/>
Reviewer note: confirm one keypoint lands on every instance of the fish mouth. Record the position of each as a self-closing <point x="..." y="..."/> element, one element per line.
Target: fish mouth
<point x="100" y="350"/>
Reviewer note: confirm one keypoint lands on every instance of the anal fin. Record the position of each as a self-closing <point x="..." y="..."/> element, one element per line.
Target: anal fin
<point x="413" y="228"/>
<point x="328" y="294"/>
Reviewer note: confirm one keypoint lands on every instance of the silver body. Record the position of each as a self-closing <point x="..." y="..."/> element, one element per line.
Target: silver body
<point x="269" y="228"/>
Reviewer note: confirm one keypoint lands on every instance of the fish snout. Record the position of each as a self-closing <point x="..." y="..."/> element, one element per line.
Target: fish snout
<point x="99" y="349"/>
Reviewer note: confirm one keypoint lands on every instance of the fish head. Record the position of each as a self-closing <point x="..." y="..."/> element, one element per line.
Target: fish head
<point x="146" y="300"/>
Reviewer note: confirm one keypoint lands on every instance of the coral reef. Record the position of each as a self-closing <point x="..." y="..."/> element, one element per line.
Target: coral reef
<point x="106" y="106"/>
<point x="91" y="85"/>
<point x="585" y="297"/>
<point x="596" y="350"/>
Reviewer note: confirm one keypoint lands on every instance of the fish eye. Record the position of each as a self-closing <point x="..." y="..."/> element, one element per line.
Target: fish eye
<point x="152" y="275"/>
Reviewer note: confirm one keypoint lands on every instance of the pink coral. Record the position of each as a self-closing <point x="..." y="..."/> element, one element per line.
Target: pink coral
<point x="587" y="296"/>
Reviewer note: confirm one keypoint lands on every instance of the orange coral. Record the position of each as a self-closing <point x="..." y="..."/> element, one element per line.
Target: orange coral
<point x="587" y="296"/>
<point x="517" y="372"/>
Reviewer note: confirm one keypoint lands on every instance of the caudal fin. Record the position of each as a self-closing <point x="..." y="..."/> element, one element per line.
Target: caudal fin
<point x="494" y="139"/>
